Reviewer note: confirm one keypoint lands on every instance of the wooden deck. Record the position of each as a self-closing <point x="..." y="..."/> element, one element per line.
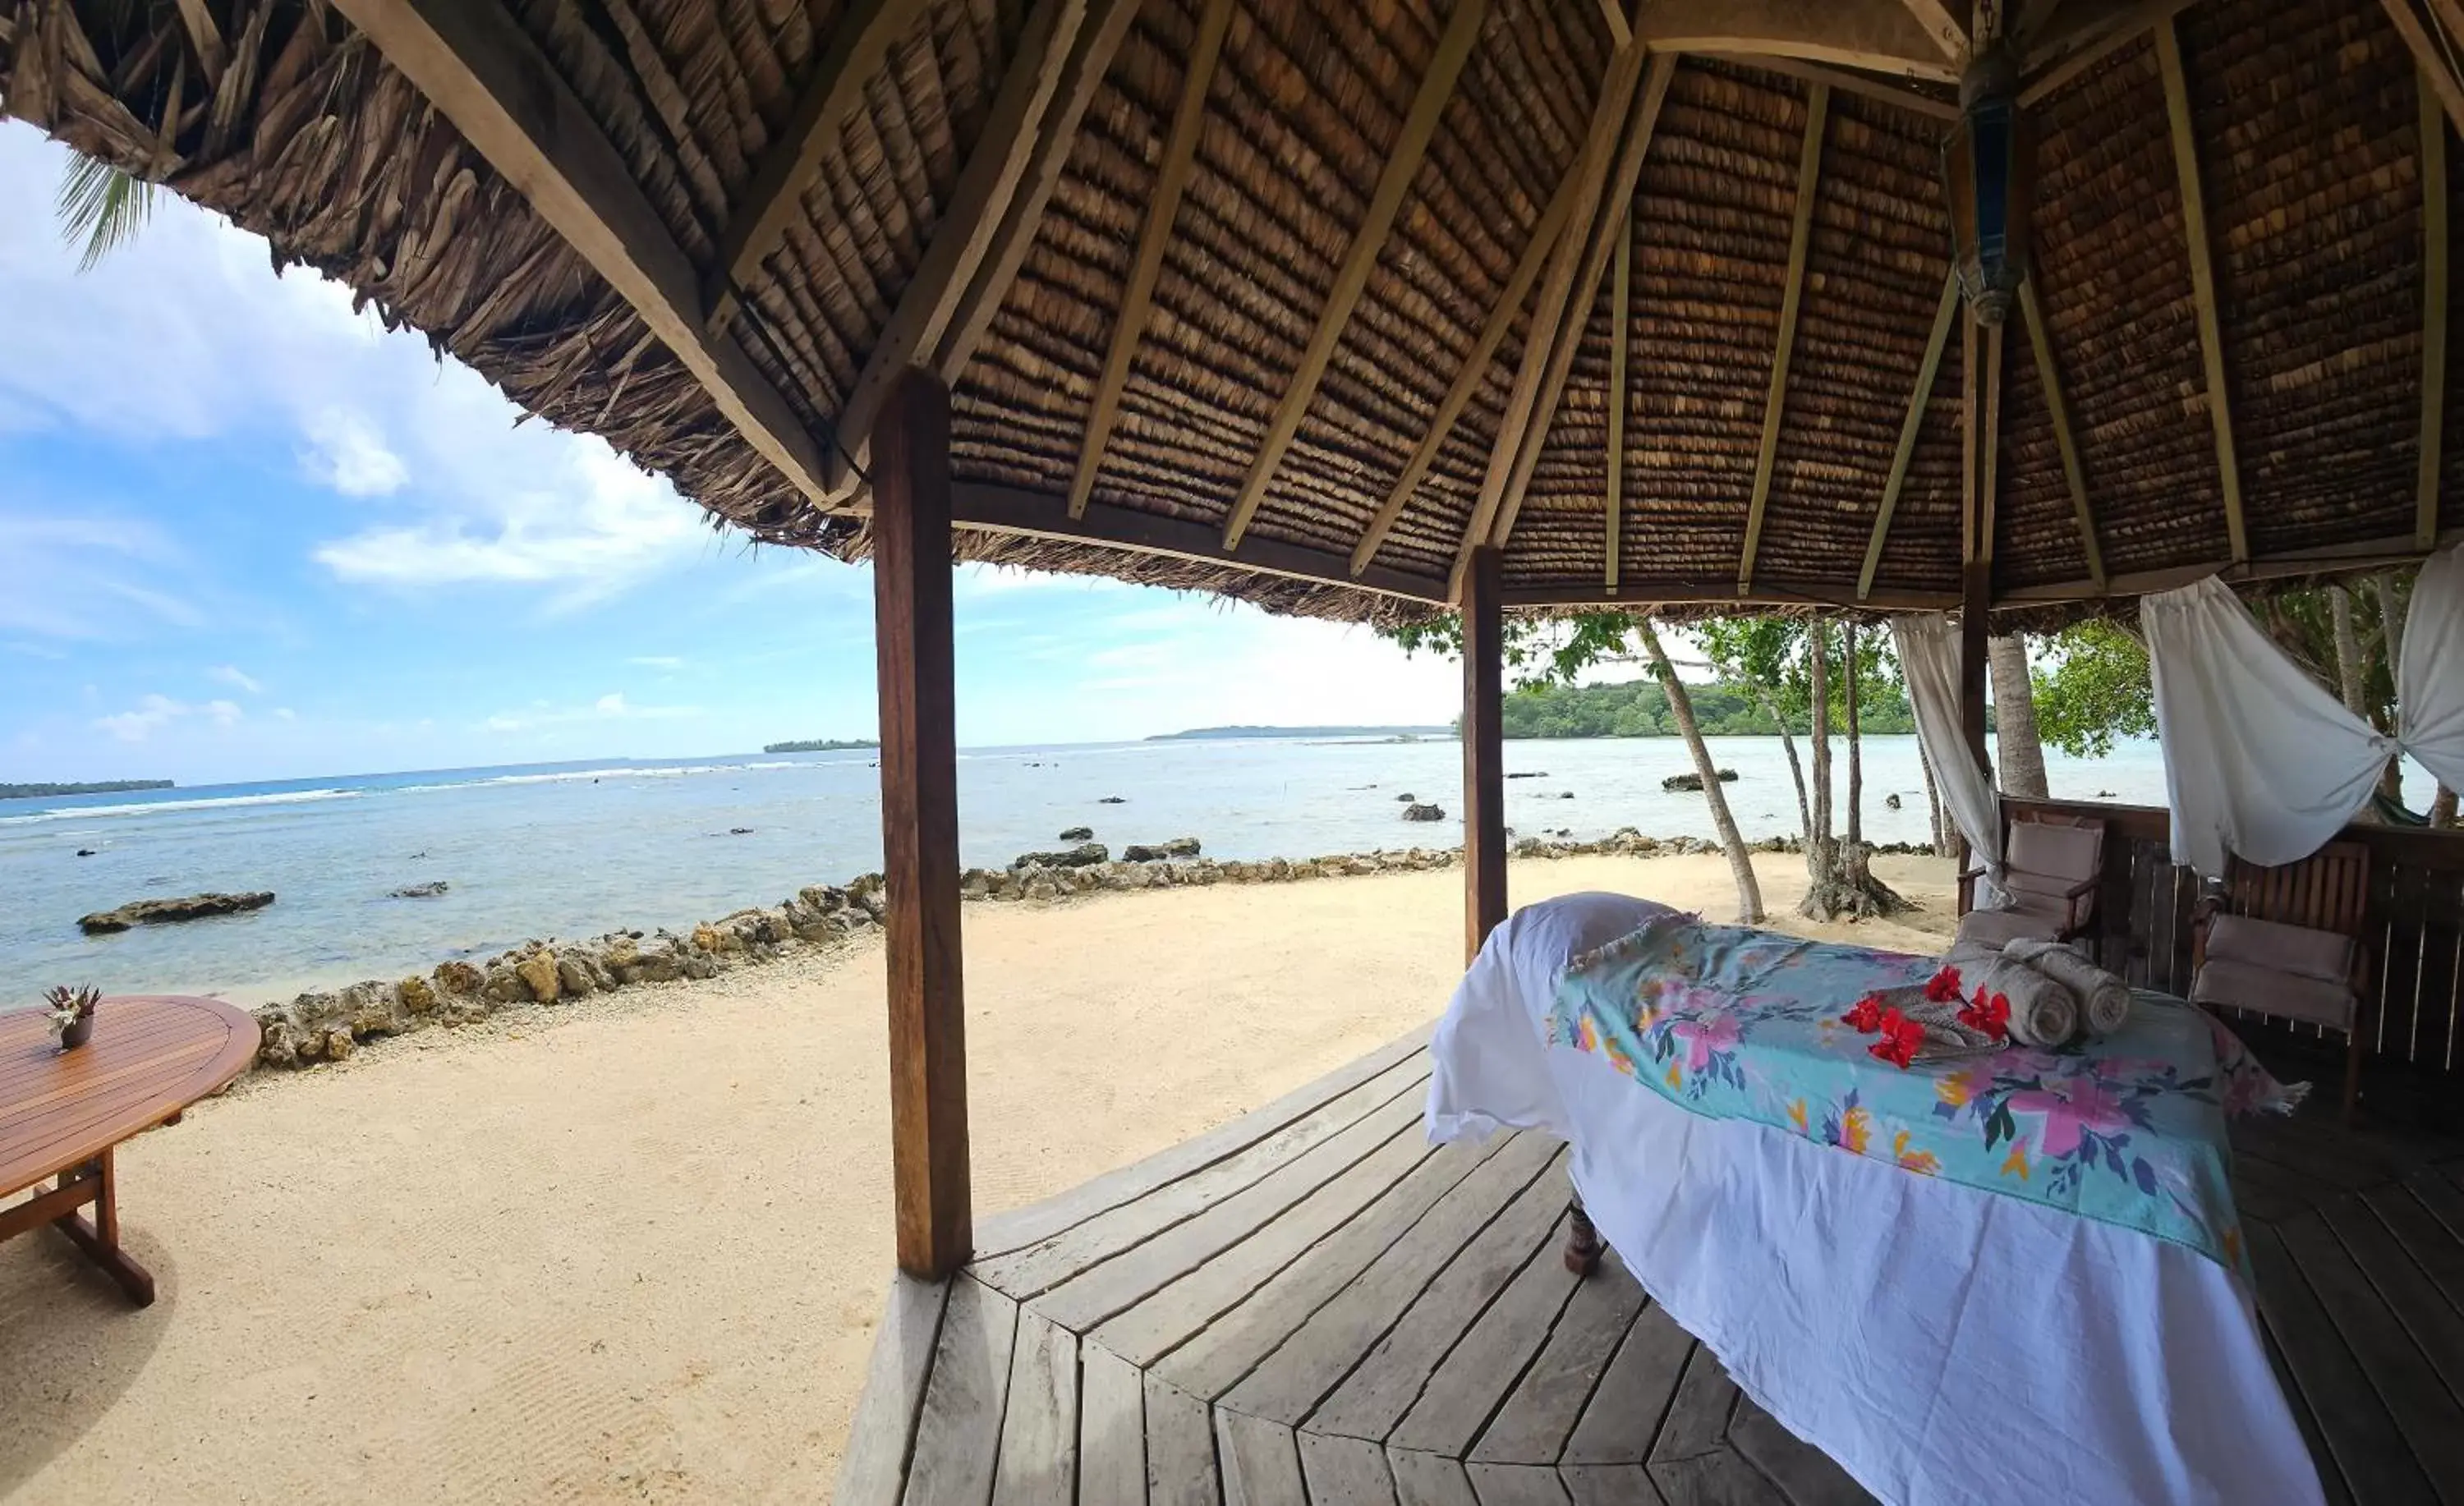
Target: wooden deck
<point x="1313" y="1305"/>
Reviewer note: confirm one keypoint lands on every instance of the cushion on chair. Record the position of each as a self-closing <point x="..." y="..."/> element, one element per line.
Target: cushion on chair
<point x="2272" y="991"/>
<point x="2274" y="947"/>
<point x="2032" y="917"/>
<point x="2067" y="854"/>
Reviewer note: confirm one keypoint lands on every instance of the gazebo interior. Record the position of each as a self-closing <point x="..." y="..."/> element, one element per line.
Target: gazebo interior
<point x="1381" y="310"/>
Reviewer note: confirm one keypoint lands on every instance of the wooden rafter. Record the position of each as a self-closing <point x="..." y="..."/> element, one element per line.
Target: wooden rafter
<point x="1940" y="26"/>
<point x="1006" y="509"/>
<point x="1718" y="590"/>
<point x="1609" y="121"/>
<point x="1475" y="367"/>
<point x="858" y="48"/>
<point x="478" y="67"/>
<point x="2435" y="253"/>
<point x="2437" y="73"/>
<point x="1919" y="400"/>
<point x="1847" y="80"/>
<point x="2346" y="559"/>
<point x="1989" y="460"/>
<point x="1972" y="415"/>
<point x="2049" y="376"/>
<point x="1621" y="29"/>
<point x="1163" y="205"/>
<point x="2090" y="31"/>
<point x="1809" y="179"/>
<point x="978" y="202"/>
<point x="1403" y="165"/>
<point x="2203" y="281"/>
<point x="1879" y="36"/>
<point x="1621" y="338"/>
<point x="1571" y="329"/>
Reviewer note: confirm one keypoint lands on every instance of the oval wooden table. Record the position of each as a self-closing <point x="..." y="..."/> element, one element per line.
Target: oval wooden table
<point x="62" y="1112"/>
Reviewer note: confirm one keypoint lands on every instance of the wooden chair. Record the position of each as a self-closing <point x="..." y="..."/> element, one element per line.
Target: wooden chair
<point x="2286" y="942"/>
<point x="2052" y="864"/>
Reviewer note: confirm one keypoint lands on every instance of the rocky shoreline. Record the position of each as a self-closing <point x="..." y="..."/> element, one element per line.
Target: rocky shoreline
<point x="330" y="1025"/>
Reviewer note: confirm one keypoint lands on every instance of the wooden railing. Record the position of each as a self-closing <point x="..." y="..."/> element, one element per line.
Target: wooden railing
<point x="2413" y="928"/>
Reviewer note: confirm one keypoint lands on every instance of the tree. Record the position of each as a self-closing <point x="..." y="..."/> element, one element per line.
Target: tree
<point x="1754" y="651"/>
<point x="2092" y="688"/>
<point x="101" y="208"/>
<point x="1741" y="862"/>
<point x="2019" y="751"/>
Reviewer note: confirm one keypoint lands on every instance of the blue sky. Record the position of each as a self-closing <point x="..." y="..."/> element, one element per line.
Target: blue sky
<point x="245" y="532"/>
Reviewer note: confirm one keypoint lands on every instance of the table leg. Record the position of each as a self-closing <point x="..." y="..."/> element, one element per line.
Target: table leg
<point x="1583" y="1243"/>
<point x="101" y="1238"/>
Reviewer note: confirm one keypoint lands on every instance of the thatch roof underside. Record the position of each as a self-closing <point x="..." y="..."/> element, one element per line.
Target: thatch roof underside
<point x="1380" y="319"/>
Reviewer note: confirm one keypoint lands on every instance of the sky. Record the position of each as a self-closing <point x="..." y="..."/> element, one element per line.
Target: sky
<point x="247" y="533"/>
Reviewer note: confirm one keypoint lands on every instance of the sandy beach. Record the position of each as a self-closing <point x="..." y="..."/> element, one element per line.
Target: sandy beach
<point x="632" y="1248"/>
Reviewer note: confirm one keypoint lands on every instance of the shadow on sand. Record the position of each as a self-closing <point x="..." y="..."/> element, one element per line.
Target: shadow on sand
<point x="72" y="1342"/>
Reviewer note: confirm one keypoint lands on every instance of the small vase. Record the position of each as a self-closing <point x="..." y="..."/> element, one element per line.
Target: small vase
<point x="78" y="1034"/>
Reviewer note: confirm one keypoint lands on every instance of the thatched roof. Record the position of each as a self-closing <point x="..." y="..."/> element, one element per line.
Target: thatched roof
<point x="1355" y="270"/>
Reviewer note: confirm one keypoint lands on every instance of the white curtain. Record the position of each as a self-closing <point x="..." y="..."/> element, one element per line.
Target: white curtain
<point x="2429" y="671"/>
<point x="1928" y="647"/>
<point x="2259" y="759"/>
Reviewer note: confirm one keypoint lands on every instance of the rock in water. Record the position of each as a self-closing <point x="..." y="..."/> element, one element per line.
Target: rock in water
<point x="1086" y="855"/>
<point x="1112" y="800"/>
<point x="1694" y="781"/>
<point x="1178" y="847"/>
<point x="156" y="912"/>
<point x="419" y="891"/>
<point x="1530" y="774"/>
<point x="1424" y="812"/>
<point x="1407" y="797"/>
<point x="1079" y="834"/>
<point x="1892" y="801"/>
<point x="1565" y="795"/>
<point x="85" y="852"/>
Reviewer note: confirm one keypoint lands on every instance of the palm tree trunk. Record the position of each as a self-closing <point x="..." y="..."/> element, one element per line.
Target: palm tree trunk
<point x="1855" y="745"/>
<point x="1788" y="746"/>
<point x="2348" y="650"/>
<point x="2019" y="751"/>
<point x="1933" y="807"/>
<point x="1680" y="710"/>
<point x="1819" y="671"/>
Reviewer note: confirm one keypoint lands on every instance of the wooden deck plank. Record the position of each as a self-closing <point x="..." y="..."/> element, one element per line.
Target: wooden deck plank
<point x="1021" y="1227"/>
<point x="2331" y="1483"/>
<point x="1045" y="1264"/>
<point x="1697" y="1422"/>
<point x="1231" y="1347"/>
<point x="1038" y="1465"/>
<point x="1721" y="1478"/>
<point x="874" y="1469"/>
<point x="1118" y="1282"/>
<point x="1533" y="1425"/>
<point x="1309" y="1365"/>
<point x="1802" y="1473"/>
<point x="1260" y="1459"/>
<point x="2437" y="1188"/>
<point x="1515" y="1485"/>
<point x="2432" y="1244"/>
<point x="1164" y="1319"/>
<point x="2422" y="1411"/>
<point x="2361" y="1438"/>
<point x="1466" y="1388"/>
<point x="1623" y="1414"/>
<point x="1345" y="1472"/>
<point x="2407" y="1290"/>
<point x="1111" y="1430"/>
<point x="1429" y="1479"/>
<point x="1180" y="1447"/>
<point x="957" y="1435"/>
<point x="1610" y="1485"/>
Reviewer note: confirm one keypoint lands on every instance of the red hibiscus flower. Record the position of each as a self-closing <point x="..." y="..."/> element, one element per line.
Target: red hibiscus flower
<point x="1867" y="1015"/>
<point x="1901" y="1039"/>
<point x="1943" y="987"/>
<point x="1991" y="1016"/>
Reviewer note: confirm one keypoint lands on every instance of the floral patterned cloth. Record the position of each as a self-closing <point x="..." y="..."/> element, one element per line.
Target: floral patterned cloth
<point x="1736" y="1024"/>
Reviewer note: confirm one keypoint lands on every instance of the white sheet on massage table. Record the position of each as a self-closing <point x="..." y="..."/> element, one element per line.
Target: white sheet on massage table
<point x="1942" y="1343"/>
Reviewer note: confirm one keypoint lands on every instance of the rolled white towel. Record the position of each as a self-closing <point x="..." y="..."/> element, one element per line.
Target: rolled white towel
<point x="2105" y="1000"/>
<point x="2044" y="1013"/>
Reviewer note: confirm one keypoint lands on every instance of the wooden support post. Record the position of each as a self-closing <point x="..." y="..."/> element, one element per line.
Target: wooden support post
<point x="919" y="824"/>
<point x="1483" y="750"/>
<point x="1809" y="182"/>
<point x="1976" y="553"/>
<point x="2203" y="285"/>
<point x="1621" y="390"/>
<point x="1919" y="401"/>
<point x="2433" y="313"/>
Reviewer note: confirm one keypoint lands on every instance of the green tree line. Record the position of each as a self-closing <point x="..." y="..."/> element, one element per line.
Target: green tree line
<point x="1639" y="709"/>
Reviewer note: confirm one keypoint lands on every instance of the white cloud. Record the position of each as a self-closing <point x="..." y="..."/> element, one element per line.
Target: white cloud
<point x="234" y="676"/>
<point x="86" y="579"/>
<point x="611" y="705"/>
<point x="656" y="660"/>
<point x="347" y="453"/>
<point x="541" y="715"/>
<point x="155" y="712"/>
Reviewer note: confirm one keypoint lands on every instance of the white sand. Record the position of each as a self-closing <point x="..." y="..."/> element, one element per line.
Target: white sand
<point x="633" y="1249"/>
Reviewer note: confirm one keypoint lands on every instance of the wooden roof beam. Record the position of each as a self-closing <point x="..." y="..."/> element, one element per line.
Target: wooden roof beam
<point x="1717" y="591"/>
<point x="478" y="67"/>
<point x="1621" y="338"/>
<point x="2429" y="56"/>
<point x="2090" y="31"/>
<point x="1809" y="181"/>
<point x="1941" y="27"/>
<point x="2433" y="309"/>
<point x="859" y="45"/>
<point x="1621" y="29"/>
<point x="979" y="204"/>
<point x="1474" y="369"/>
<point x="1879" y="36"/>
<point x="1847" y="80"/>
<point x="2203" y="282"/>
<point x="1919" y="400"/>
<point x="1576" y="323"/>
<point x="1154" y="233"/>
<point x="2049" y="376"/>
<point x="1368" y="242"/>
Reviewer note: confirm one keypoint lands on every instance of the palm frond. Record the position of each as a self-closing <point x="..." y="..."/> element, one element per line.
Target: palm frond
<point x="102" y="207"/>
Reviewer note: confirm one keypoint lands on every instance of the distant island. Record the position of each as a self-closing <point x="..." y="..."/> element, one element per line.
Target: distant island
<point x="1200" y="734"/>
<point x="819" y="745"/>
<point x="28" y="791"/>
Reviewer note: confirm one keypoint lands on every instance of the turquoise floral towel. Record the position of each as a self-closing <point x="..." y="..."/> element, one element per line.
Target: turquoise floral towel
<point x="1744" y="1024"/>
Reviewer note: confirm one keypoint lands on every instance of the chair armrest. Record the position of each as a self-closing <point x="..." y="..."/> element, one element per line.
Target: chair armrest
<point x="2087" y="885"/>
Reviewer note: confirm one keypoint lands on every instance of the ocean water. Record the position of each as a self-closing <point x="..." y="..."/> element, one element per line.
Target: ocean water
<point x="578" y="849"/>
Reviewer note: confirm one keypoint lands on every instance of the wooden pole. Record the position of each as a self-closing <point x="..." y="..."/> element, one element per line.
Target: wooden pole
<point x="1483" y="750"/>
<point x="1976" y="565"/>
<point x="919" y="824"/>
